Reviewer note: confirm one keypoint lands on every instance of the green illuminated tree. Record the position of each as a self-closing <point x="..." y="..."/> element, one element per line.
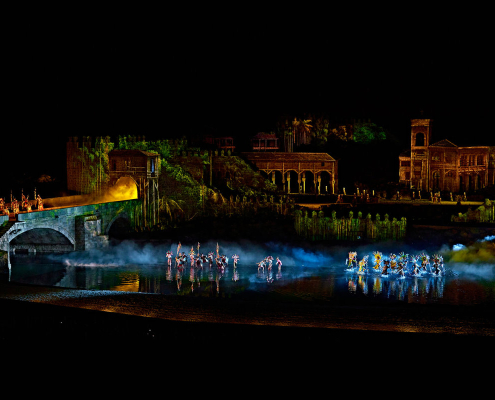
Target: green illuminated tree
<point x="368" y="132"/>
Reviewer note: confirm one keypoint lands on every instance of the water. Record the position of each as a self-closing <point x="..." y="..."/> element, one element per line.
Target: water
<point x="306" y="275"/>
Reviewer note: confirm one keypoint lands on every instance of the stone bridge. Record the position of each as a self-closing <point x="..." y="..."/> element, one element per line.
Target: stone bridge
<point x="81" y="227"/>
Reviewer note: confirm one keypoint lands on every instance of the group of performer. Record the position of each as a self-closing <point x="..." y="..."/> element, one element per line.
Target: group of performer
<point x="397" y="264"/>
<point x="267" y="262"/>
<point x="198" y="260"/>
<point x="15" y="206"/>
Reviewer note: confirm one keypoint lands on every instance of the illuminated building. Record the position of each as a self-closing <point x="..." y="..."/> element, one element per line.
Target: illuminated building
<point x="444" y="165"/>
<point x="265" y="142"/>
<point x="298" y="172"/>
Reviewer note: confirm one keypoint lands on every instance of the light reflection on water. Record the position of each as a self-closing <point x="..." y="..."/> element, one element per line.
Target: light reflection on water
<point x="310" y="283"/>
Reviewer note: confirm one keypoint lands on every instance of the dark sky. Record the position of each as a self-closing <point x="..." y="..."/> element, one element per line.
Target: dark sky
<point x="236" y="80"/>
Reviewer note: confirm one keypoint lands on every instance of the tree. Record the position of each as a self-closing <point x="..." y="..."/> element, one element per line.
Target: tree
<point x="301" y="129"/>
<point x="368" y="132"/>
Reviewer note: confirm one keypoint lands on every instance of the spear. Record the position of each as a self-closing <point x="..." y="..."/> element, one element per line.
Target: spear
<point x="178" y="248"/>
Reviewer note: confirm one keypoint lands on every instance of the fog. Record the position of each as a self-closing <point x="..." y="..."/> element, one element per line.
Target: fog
<point x="476" y="260"/>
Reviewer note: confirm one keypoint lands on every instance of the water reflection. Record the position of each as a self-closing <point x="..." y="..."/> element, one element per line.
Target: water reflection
<point x="412" y="289"/>
<point x="292" y="281"/>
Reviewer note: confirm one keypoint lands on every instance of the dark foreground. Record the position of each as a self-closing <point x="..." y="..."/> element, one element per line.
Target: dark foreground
<point x="60" y="317"/>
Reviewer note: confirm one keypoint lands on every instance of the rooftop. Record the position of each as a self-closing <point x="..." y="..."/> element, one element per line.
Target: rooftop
<point x="283" y="156"/>
<point x="131" y="153"/>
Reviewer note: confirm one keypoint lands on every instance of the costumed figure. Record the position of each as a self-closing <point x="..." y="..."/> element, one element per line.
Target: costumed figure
<point x="393" y="262"/>
<point x="378" y="261"/>
<point x="39" y="203"/>
<point x="270" y="260"/>
<point x="351" y="260"/>
<point x="400" y="269"/>
<point x="191" y="256"/>
<point x="425" y="261"/>
<point x="261" y="265"/>
<point x="363" y="265"/>
<point x="403" y="258"/>
<point x="386" y="266"/>
<point x="169" y="258"/>
<point x="437" y="264"/>
<point x="210" y="258"/>
<point x="415" y="266"/>
<point x="235" y="257"/>
<point x="279" y="263"/>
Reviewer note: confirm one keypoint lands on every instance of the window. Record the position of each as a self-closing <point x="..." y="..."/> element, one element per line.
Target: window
<point x="420" y="139"/>
<point x="479" y="160"/>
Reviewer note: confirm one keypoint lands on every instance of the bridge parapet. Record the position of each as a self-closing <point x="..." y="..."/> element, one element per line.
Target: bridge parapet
<point x="84" y="226"/>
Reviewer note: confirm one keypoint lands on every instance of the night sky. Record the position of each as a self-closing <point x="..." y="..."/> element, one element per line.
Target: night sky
<point x="237" y="79"/>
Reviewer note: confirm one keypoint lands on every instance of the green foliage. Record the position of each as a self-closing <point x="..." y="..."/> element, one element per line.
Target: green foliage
<point x="368" y="132"/>
<point x="244" y="180"/>
<point x="94" y="162"/>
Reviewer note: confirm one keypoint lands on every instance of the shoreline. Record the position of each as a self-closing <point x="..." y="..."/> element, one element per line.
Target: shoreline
<point x="40" y="314"/>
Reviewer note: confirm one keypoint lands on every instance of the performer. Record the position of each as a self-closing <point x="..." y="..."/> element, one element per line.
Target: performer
<point x="352" y="259"/>
<point x="191" y="256"/>
<point x="403" y="259"/>
<point x="363" y="265"/>
<point x="235" y="257"/>
<point x="169" y="258"/>
<point x="436" y="264"/>
<point x="425" y="260"/>
<point x="393" y="262"/>
<point x="386" y="265"/>
<point x="199" y="263"/>
<point x="415" y="266"/>
<point x="378" y="260"/>
<point x="279" y="263"/>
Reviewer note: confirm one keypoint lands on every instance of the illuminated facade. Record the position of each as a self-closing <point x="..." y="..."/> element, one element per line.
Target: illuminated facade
<point x="265" y="142"/>
<point x="444" y="165"/>
<point x="142" y="168"/>
<point x="298" y="172"/>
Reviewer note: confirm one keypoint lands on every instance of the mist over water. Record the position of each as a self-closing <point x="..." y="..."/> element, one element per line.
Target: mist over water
<point x="477" y="260"/>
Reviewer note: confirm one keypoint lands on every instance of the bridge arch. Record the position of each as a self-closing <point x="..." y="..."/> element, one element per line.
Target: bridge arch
<point x="42" y="238"/>
<point x="124" y="188"/>
<point x="120" y="225"/>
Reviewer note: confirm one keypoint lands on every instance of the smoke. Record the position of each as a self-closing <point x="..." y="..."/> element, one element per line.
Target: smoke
<point x="468" y="261"/>
<point x="472" y="261"/>
<point x="124" y="253"/>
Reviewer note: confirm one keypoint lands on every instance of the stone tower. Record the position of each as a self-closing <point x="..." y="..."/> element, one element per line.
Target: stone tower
<point x="420" y="142"/>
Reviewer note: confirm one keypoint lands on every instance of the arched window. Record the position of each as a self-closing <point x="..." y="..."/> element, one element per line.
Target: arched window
<point x="420" y="139"/>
